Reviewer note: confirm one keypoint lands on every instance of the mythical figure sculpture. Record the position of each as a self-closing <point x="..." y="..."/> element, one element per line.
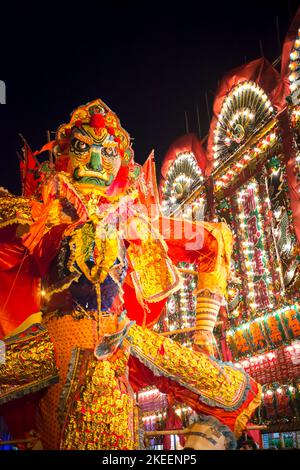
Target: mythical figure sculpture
<point x="84" y="274"/>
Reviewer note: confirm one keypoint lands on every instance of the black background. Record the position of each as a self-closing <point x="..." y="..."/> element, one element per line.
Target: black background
<point x="149" y="61"/>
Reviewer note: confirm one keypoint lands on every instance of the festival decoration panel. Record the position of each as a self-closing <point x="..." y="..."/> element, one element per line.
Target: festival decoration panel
<point x="294" y="66"/>
<point x="294" y="100"/>
<point x="245" y="109"/>
<point x="179" y="313"/>
<point x="184" y="176"/>
<point x="265" y="255"/>
<point x="265" y="333"/>
<point x="281" y="223"/>
<point x="280" y="404"/>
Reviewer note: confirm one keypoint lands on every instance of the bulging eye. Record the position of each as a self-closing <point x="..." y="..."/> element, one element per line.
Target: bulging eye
<point x="79" y="145"/>
<point x="111" y="152"/>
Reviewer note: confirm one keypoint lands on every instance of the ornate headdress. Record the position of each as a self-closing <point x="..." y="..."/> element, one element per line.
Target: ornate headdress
<point x="104" y="124"/>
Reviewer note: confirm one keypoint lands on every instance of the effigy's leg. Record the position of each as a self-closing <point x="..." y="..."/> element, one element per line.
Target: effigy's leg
<point x="207" y="309"/>
<point x="208" y="386"/>
<point x="212" y="287"/>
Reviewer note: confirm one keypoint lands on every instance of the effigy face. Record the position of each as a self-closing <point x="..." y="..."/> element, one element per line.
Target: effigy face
<point x="93" y="146"/>
<point x="94" y="159"/>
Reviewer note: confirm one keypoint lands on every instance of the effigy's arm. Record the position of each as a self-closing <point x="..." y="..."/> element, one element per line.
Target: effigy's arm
<point x="19" y="278"/>
<point x="27" y="364"/>
<point x="30" y="235"/>
<point x="212" y="287"/>
<point x="209" y="246"/>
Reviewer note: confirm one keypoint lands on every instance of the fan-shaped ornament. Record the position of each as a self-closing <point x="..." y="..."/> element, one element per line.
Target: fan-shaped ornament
<point x="294" y="67"/>
<point x="244" y="110"/>
<point x="183" y="177"/>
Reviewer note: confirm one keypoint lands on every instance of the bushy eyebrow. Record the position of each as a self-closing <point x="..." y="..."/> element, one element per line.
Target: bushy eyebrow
<point x="83" y="138"/>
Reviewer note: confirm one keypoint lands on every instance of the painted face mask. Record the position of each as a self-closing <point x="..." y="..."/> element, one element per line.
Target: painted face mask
<point x="93" y="146"/>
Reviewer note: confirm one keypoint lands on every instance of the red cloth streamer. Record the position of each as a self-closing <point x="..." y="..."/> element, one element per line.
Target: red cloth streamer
<point x="48" y="146"/>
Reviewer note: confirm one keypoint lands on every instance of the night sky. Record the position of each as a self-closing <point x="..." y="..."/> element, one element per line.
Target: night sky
<point x="148" y="61"/>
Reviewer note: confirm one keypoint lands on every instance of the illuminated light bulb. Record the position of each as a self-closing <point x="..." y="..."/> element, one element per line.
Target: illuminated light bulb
<point x="269" y="392"/>
<point x="292" y="77"/>
<point x="277" y="213"/>
<point x="291" y="389"/>
<point x="297" y="44"/>
<point x="279" y="390"/>
<point x="294" y="55"/>
<point x="271" y="356"/>
<point x="290" y="272"/>
<point x="287" y="246"/>
<point x="43" y="292"/>
<point x="293" y="87"/>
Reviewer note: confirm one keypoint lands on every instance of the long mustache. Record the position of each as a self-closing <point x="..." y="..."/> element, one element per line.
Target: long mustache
<point x="82" y="173"/>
